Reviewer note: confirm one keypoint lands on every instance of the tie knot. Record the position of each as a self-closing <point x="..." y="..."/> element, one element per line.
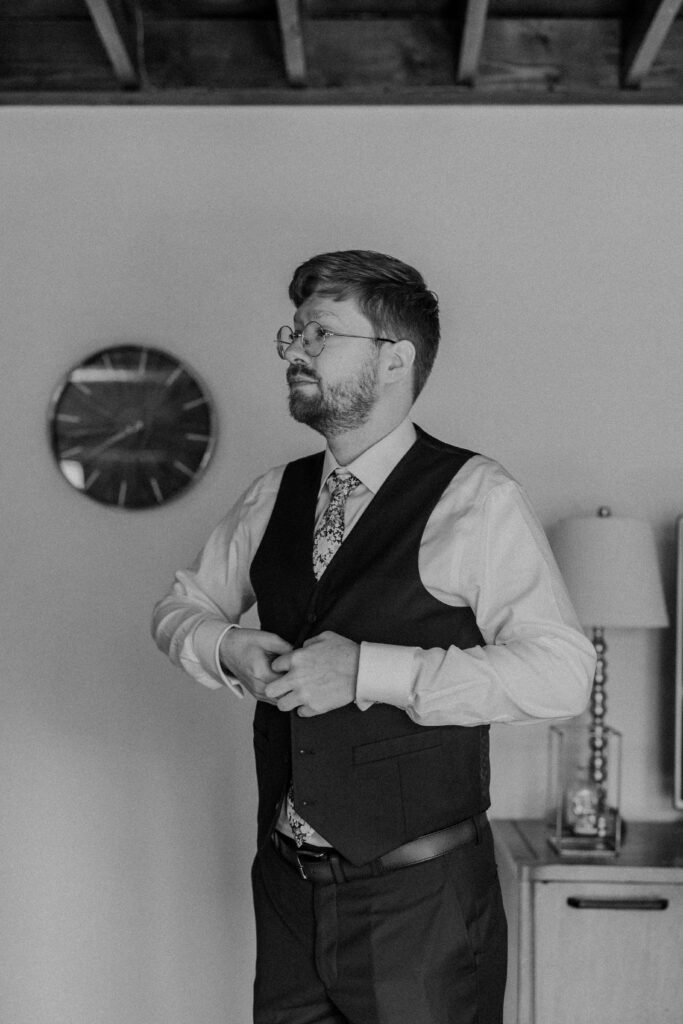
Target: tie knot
<point x="342" y="483"/>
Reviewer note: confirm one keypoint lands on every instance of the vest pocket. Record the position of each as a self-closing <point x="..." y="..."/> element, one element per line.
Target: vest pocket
<point x="394" y="747"/>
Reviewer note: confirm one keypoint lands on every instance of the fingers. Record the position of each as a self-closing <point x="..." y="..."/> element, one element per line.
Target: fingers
<point x="289" y="701"/>
<point x="319" y="638"/>
<point x="282" y="663"/>
<point x="286" y="697"/>
<point x="263" y="675"/>
<point x="275" y="644"/>
<point x="278" y="688"/>
<point x="280" y="693"/>
<point x="251" y="651"/>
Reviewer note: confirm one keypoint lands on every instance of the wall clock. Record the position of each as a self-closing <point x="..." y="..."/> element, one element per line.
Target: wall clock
<point x="131" y="426"/>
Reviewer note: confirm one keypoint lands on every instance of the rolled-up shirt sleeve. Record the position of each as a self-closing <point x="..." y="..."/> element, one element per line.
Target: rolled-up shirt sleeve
<point x="488" y="550"/>
<point x="209" y="597"/>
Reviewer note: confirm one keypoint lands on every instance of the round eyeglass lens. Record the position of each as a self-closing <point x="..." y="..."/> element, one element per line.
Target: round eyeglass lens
<point x="313" y="338"/>
<point x="283" y="340"/>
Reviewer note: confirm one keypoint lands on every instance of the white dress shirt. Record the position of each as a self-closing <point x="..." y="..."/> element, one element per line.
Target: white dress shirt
<point x="482" y="546"/>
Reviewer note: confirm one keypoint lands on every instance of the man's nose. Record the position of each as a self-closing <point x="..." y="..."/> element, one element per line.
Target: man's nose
<point x="295" y="353"/>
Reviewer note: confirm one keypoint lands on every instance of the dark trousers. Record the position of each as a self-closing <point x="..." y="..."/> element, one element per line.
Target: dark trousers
<point x="426" y="944"/>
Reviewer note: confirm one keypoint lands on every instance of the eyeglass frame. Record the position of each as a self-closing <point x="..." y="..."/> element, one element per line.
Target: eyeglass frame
<point x="283" y="346"/>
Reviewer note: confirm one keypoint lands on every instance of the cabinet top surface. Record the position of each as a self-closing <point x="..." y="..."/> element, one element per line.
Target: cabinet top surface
<point x="650" y="849"/>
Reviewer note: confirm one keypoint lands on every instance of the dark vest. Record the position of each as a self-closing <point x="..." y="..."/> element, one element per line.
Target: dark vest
<point x="371" y="780"/>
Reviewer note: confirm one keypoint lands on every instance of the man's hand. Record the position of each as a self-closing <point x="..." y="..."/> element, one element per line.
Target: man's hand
<point x="247" y="654"/>
<point x="318" y="677"/>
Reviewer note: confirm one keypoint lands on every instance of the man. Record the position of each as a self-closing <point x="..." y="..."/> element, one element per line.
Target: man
<point x="407" y="598"/>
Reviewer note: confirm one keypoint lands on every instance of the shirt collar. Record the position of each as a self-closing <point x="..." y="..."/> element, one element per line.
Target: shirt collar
<point x="375" y="464"/>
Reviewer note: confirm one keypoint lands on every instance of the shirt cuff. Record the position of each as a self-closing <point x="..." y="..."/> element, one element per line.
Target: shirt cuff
<point x="207" y="643"/>
<point x="386" y="673"/>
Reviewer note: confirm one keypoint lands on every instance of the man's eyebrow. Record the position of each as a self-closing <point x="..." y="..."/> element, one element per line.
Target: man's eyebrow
<point x="315" y="313"/>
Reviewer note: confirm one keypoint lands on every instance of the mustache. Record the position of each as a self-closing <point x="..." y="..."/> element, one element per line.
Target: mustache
<point x="296" y="373"/>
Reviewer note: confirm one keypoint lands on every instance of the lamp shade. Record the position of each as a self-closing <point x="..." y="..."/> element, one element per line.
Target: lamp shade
<point x="610" y="567"/>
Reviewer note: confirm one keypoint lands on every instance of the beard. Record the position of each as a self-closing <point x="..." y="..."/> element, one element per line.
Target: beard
<point x="336" y="408"/>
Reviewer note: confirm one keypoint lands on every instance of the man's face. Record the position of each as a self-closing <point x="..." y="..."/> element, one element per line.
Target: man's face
<point x="335" y="391"/>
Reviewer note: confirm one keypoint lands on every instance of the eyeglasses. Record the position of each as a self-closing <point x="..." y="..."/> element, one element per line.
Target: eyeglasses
<point x="313" y="338"/>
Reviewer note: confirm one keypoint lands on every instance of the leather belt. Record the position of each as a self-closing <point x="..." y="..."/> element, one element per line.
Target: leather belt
<point x="327" y="865"/>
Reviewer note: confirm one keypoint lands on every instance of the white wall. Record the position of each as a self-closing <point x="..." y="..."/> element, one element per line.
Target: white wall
<point x="554" y="237"/>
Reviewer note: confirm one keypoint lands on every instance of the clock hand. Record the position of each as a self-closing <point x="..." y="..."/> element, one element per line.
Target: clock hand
<point x="132" y="428"/>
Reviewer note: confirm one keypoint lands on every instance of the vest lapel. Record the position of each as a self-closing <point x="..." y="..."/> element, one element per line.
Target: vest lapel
<point x="394" y="503"/>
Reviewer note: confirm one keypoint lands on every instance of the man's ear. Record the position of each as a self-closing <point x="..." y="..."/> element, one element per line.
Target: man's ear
<point x="399" y="360"/>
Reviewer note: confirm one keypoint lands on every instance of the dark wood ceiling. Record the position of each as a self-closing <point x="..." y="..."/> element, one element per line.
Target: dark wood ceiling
<point x="341" y="51"/>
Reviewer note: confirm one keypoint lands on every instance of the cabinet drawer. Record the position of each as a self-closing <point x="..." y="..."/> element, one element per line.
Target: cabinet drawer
<point x="607" y="952"/>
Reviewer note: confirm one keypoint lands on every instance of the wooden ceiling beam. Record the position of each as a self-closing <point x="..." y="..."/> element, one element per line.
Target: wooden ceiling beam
<point x="291" y="31"/>
<point x="348" y="60"/>
<point x="643" y="35"/>
<point x="114" y="32"/>
<point x="471" y="41"/>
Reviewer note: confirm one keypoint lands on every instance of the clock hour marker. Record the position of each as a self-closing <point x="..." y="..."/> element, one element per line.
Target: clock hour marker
<point x="70" y="452"/>
<point x="122" y="493"/>
<point x="183" y="468"/>
<point x="106" y="361"/>
<point x="173" y="377"/>
<point x="158" y="494"/>
<point x="194" y="403"/>
<point x="143" y="361"/>
<point x="197" y="437"/>
<point x="91" y="479"/>
<point x="65" y="417"/>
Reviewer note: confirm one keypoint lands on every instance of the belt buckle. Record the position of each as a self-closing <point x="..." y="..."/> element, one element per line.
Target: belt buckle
<point x="301" y="868"/>
<point x="307" y="855"/>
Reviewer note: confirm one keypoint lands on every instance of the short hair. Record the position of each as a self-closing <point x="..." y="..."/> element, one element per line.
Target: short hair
<point x="391" y="294"/>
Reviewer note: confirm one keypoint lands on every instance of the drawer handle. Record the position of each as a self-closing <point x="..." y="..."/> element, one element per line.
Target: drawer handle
<point x="586" y="903"/>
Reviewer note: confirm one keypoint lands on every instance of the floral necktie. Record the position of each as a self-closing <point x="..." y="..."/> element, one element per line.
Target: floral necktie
<point x="328" y="535"/>
<point x="329" y="532"/>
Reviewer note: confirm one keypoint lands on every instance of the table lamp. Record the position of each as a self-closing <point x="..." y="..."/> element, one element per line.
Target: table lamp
<point x="610" y="567"/>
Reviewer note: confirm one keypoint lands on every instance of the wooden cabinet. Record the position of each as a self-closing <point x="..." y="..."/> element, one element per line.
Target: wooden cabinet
<point x="593" y="940"/>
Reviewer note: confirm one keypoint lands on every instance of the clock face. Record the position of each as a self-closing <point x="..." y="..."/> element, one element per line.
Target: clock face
<point x="131" y="426"/>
